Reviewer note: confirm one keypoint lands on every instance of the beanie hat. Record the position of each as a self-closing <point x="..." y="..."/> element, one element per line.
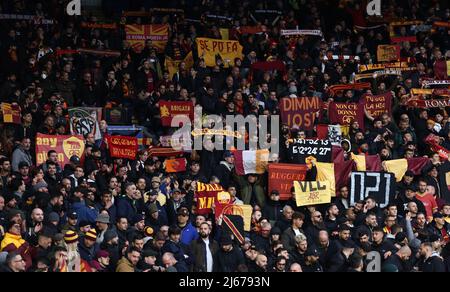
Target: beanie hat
<point x="109" y="235"/>
<point x="91" y="235"/>
<point x="70" y="237"/>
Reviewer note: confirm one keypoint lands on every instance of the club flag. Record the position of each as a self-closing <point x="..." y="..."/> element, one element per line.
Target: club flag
<point x="400" y="166"/>
<point x="11" y="113"/>
<point x="234" y="224"/>
<point x="367" y="163"/>
<point x="244" y="211"/>
<point x="325" y="172"/>
<point x="175" y="165"/>
<point x="136" y="35"/>
<point x="251" y="162"/>
<point x="173" y="65"/>
<point x="342" y="171"/>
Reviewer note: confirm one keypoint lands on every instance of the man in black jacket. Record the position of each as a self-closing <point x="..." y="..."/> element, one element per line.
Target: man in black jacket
<point x="273" y="208"/>
<point x="430" y="260"/>
<point x="204" y="250"/>
<point x="224" y="170"/>
<point x="401" y="259"/>
<point x="229" y="257"/>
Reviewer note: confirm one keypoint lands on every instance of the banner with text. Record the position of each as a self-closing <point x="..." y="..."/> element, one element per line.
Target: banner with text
<point x="85" y="120"/>
<point x="300" y="112"/>
<point x="171" y="109"/>
<point x="137" y="35"/>
<point x="212" y="49"/>
<point x="65" y="146"/>
<point x="346" y="113"/>
<point x="123" y="147"/>
<point x="282" y="177"/>
<point x="309" y="151"/>
<point x="309" y="193"/>
<point x="376" y="105"/>
<point x="379" y="185"/>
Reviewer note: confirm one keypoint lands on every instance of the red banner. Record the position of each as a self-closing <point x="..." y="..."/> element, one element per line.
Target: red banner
<point x="346" y="113"/>
<point x="377" y="105"/>
<point x="282" y="177"/>
<point x="170" y="109"/>
<point x="123" y="147"/>
<point x="65" y="146"/>
<point x="208" y="195"/>
<point x="388" y="53"/>
<point x="300" y="111"/>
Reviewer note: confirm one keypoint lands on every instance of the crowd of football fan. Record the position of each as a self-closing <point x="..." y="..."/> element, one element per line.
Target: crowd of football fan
<point x="104" y="214"/>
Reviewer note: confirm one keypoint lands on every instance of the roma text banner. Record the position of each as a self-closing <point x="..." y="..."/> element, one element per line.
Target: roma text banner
<point x="171" y="109"/>
<point x="376" y="105"/>
<point x="309" y="193"/>
<point x="136" y="35"/>
<point x="346" y="113"/>
<point x="123" y="147"/>
<point x="85" y="121"/>
<point x="282" y="177"/>
<point x="379" y="185"/>
<point x="65" y="146"/>
<point x="211" y="49"/>
<point x="300" y="112"/>
<point x="431" y="103"/>
<point x="307" y="151"/>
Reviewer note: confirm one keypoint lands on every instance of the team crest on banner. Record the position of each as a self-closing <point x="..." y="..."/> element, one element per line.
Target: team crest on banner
<point x="73" y="146"/>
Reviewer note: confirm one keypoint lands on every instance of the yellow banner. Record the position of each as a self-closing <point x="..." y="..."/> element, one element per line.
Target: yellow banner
<point x="211" y="49"/>
<point x="309" y="193"/>
<point x="325" y="172"/>
<point x="394" y="65"/>
<point x="448" y="68"/>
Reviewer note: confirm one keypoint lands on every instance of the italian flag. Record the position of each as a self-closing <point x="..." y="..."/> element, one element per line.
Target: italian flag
<point x="251" y="162"/>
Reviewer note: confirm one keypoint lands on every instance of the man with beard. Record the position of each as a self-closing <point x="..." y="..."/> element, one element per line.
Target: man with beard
<point x="22" y="154"/>
<point x="286" y="218"/>
<point x="5" y="171"/>
<point x="204" y="250"/>
<point x="312" y="264"/>
<point x="401" y="259"/>
<point x="312" y="231"/>
<point x="44" y="242"/>
<point x="299" y="253"/>
<point x="430" y="261"/>
<point x="111" y="245"/>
